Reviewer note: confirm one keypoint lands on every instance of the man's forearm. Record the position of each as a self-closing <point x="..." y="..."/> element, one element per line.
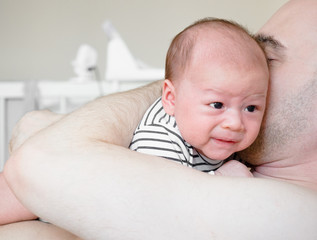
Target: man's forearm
<point x="114" y="193"/>
<point x="34" y="230"/>
<point x="112" y="119"/>
<point x="72" y="176"/>
<point x="11" y="210"/>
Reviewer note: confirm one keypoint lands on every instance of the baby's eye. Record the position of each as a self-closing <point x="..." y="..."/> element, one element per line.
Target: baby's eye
<point x="250" y="108"/>
<point x="216" y="105"/>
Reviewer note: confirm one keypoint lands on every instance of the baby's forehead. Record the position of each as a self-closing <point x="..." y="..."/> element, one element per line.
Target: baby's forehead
<point x="220" y="35"/>
<point x="218" y="42"/>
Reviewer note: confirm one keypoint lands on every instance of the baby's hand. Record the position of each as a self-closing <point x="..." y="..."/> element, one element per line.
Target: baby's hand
<point x="233" y="168"/>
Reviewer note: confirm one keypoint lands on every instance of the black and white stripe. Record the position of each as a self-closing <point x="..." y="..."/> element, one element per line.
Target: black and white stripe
<point x="158" y="134"/>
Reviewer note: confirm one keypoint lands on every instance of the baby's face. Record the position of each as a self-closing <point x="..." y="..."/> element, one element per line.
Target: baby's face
<point x="219" y="105"/>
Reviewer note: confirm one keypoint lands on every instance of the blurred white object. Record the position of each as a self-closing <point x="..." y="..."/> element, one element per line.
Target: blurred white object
<point x="121" y="65"/>
<point x="85" y="63"/>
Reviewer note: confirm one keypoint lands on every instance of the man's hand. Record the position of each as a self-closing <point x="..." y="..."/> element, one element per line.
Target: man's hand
<point x="30" y="124"/>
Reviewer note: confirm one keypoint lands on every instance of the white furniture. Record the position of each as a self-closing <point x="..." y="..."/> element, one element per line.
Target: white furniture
<point x="58" y="96"/>
<point x="8" y="90"/>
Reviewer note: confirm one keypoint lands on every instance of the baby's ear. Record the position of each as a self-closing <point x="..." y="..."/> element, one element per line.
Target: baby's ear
<point x="168" y="97"/>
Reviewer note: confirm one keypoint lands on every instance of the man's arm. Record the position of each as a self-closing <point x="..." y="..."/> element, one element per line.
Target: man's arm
<point x="11" y="210"/>
<point x="74" y="175"/>
<point x="34" y="230"/>
<point x="97" y="115"/>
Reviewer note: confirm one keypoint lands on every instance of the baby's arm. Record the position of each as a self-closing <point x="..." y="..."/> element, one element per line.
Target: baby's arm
<point x="233" y="168"/>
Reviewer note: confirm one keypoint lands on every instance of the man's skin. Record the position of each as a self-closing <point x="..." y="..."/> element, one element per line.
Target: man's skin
<point x="98" y="190"/>
<point x="11" y="209"/>
<point x="286" y="148"/>
<point x="34" y="230"/>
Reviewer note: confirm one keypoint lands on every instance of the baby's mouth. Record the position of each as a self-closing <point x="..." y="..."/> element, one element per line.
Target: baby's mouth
<point x="225" y="141"/>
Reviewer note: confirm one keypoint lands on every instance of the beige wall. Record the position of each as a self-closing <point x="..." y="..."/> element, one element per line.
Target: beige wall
<point x="39" y="38"/>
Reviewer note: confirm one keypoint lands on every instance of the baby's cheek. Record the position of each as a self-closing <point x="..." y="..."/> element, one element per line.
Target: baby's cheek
<point x="248" y="140"/>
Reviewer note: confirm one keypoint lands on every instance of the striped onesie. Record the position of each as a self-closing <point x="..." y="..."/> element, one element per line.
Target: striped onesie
<point x="157" y="134"/>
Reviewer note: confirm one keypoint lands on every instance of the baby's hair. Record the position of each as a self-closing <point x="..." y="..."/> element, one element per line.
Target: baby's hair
<point x="181" y="48"/>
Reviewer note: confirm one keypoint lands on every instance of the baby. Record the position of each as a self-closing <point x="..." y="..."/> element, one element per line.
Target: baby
<point x="213" y="99"/>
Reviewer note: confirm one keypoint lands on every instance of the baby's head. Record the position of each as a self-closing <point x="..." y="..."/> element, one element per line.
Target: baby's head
<point x="216" y="85"/>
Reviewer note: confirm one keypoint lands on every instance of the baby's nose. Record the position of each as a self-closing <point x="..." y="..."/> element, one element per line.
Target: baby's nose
<point x="233" y="120"/>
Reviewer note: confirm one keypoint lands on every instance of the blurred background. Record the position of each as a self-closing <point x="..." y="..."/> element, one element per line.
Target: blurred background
<point x="39" y="38"/>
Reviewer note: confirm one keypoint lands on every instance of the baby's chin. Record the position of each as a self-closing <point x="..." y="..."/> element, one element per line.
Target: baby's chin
<point x="216" y="156"/>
